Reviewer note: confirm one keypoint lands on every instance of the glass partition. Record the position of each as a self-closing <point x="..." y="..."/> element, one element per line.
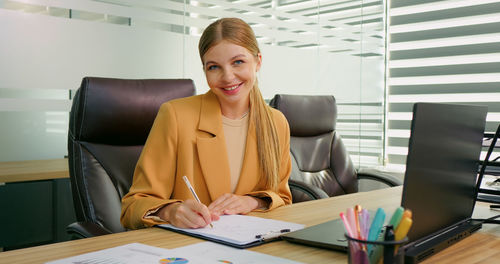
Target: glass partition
<point x="318" y="47"/>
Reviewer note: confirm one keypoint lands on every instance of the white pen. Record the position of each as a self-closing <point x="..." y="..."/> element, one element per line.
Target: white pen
<point x="186" y="180"/>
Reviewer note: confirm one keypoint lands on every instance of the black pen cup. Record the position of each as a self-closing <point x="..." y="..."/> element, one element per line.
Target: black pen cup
<point x="370" y="252"/>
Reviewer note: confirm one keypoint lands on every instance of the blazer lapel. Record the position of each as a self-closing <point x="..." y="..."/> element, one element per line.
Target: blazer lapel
<point x="212" y="147"/>
<point x="250" y="170"/>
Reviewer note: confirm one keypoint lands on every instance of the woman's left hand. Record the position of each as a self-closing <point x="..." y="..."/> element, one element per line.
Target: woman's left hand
<point x="234" y="204"/>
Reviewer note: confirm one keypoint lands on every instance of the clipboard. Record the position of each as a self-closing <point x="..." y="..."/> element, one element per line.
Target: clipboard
<point x="239" y="231"/>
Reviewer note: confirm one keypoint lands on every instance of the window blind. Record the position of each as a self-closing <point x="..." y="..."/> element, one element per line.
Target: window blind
<point x="440" y="51"/>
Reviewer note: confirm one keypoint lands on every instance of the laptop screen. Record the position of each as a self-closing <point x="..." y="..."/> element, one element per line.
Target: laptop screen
<point x="441" y="166"/>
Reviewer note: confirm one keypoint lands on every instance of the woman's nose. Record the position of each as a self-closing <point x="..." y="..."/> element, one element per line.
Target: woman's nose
<point x="227" y="75"/>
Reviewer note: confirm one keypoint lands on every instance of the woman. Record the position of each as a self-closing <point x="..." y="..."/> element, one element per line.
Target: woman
<point x="233" y="148"/>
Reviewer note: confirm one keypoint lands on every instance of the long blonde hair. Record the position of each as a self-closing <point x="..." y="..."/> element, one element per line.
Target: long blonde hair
<point x="240" y="33"/>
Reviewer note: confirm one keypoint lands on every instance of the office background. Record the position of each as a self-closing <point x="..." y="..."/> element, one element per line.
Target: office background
<point x="376" y="57"/>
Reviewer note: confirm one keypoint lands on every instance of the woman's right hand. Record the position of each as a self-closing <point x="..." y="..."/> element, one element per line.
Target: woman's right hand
<point x="187" y="214"/>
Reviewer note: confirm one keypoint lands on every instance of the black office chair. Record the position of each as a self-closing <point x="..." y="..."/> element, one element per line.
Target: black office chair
<point x="110" y="120"/>
<point x="321" y="166"/>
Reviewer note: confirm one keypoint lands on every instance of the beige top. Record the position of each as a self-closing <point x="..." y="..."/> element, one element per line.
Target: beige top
<point x="235" y="133"/>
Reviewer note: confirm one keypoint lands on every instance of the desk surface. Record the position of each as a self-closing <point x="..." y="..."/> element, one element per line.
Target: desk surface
<point x="483" y="246"/>
<point x="33" y="170"/>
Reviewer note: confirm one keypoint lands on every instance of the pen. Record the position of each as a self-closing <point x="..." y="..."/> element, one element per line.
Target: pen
<point x="364" y="223"/>
<point x="360" y="257"/>
<point x="186" y="180"/>
<point x="346" y="224"/>
<point x="389" y="249"/>
<point x="272" y="234"/>
<point x="358" y="222"/>
<point x="375" y="254"/>
<point x="351" y="220"/>
<point x="357" y="211"/>
<point x="348" y="229"/>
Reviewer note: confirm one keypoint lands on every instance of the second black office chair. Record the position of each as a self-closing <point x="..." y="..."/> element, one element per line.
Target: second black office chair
<point x="321" y="166"/>
<point x="109" y="123"/>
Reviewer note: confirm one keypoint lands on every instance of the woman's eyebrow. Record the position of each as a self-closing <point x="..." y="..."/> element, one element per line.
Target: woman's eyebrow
<point x="238" y="56"/>
<point x="233" y="58"/>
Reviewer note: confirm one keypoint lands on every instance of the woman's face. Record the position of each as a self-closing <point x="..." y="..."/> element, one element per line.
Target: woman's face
<point x="231" y="71"/>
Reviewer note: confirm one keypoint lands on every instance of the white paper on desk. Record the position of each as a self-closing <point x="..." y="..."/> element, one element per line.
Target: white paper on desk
<point x="241" y="229"/>
<point x="200" y="253"/>
<point x="218" y="253"/>
<point x="134" y="253"/>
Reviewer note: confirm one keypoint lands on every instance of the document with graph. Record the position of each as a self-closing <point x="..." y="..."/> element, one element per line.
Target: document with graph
<point x="199" y="253"/>
<point x="240" y="231"/>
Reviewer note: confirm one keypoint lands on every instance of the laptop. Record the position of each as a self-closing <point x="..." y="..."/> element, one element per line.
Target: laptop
<point x="440" y="182"/>
<point x="328" y="235"/>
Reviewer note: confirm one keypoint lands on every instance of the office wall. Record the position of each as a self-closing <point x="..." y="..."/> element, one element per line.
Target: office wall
<point x="52" y="45"/>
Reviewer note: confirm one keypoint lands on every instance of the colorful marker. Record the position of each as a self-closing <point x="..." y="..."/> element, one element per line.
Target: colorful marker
<point x="348" y="229"/>
<point x="376" y="226"/>
<point x="396" y="217"/>
<point x="402" y="230"/>
<point x="351" y="219"/>
<point x="364" y="223"/>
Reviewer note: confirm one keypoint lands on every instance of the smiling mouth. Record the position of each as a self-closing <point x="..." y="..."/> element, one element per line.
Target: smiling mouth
<point x="231" y="88"/>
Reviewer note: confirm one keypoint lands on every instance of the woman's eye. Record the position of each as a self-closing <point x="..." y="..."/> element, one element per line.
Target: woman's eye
<point x="238" y="62"/>
<point x="212" y="67"/>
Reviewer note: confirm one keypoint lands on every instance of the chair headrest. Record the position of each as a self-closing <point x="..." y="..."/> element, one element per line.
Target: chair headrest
<point x="120" y="111"/>
<point x="308" y="115"/>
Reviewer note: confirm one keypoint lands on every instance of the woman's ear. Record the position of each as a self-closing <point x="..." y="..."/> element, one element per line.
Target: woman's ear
<point x="259" y="62"/>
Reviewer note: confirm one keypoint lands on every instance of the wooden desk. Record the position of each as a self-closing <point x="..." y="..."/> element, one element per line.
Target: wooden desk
<point x="33" y="170"/>
<point x="483" y="246"/>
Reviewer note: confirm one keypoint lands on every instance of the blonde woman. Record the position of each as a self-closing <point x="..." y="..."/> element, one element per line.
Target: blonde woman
<point x="233" y="148"/>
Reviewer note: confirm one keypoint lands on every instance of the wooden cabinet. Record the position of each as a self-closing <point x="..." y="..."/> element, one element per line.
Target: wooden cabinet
<point x="36" y="203"/>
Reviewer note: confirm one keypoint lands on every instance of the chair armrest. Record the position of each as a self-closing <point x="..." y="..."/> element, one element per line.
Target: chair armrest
<point x="79" y="230"/>
<point x="388" y="178"/>
<point x="305" y="192"/>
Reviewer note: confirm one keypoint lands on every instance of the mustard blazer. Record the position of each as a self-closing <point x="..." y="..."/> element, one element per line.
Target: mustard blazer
<point x="187" y="139"/>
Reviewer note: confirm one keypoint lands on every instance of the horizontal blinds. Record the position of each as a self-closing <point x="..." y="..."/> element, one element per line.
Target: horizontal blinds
<point x="440" y="51"/>
<point x="361" y="127"/>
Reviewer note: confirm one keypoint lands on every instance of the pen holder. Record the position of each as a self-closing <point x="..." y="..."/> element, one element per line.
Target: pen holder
<point x="371" y="252"/>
